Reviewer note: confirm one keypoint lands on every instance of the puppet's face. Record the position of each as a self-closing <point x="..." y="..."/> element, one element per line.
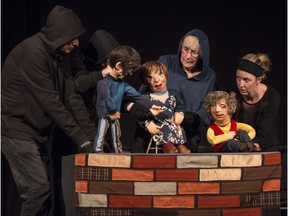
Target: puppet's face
<point x="156" y="81"/>
<point x="219" y="112"/>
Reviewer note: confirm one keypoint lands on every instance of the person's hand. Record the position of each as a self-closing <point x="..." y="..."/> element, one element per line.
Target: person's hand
<point x="153" y="128"/>
<point x="178" y="118"/>
<point x="115" y="116"/>
<point x="138" y="110"/>
<point x="189" y="117"/>
<point x="231" y="134"/>
<point x="155" y="110"/>
<point x="86" y="147"/>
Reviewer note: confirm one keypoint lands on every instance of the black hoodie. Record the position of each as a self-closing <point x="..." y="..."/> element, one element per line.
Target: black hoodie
<point x="33" y="79"/>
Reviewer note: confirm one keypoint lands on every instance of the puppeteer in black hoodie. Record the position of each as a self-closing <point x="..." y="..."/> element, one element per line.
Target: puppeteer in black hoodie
<point x="33" y="80"/>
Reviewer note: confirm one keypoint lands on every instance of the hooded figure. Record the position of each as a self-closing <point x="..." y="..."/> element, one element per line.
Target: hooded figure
<point x="87" y="67"/>
<point x="33" y="83"/>
<point x="189" y="74"/>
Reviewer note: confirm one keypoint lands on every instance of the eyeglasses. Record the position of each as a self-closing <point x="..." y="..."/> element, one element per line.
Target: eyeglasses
<point x="186" y="50"/>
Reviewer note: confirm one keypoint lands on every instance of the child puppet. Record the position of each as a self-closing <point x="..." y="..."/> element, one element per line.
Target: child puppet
<point x="165" y="127"/>
<point x="122" y="61"/>
<point x="226" y="135"/>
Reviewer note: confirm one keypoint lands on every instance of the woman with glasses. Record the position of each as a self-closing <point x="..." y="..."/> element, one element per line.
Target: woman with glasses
<point x="190" y="74"/>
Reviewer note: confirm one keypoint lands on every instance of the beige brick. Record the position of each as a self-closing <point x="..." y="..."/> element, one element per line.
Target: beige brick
<point x="243" y="160"/>
<point x="197" y="161"/>
<point x="220" y="174"/>
<point x="109" y="160"/>
<point x="92" y="200"/>
<point x="155" y="188"/>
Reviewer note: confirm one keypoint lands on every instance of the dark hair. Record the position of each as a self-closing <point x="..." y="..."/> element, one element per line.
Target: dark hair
<point x="126" y="55"/>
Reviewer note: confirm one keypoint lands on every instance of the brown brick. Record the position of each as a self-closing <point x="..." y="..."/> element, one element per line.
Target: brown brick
<point x="81" y="186"/>
<point x="272" y="158"/>
<point x="154" y="161"/>
<point x="111" y="187"/>
<point x="218" y="201"/>
<point x="242" y="211"/>
<point x="80" y="159"/>
<point x="241" y="187"/>
<point x="177" y="174"/>
<point x="262" y="172"/>
<point x="132" y="175"/>
<point x="130" y="201"/>
<point x="199" y="212"/>
<point x="271" y="185"/>
<point x="198" y="188"/>
<point x="173" y="202"/>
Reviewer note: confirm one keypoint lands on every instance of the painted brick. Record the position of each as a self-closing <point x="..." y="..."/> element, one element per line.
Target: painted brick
<point x="109" y="160"/>
<point x="173" y="202"/>
<point x="199" y="212"/>
<point x="154" y="161"/>
<point x="245" y="160"/>
<point x="80" y="159"/>
<point x="130" y="201"/>
<point x="261" y="199"/>
<point x="197" y="161"/>
<point x="92" y="200"/>
<point x="241" y="187"/>
<point x="218" y="201"/>
<point x="111" y="187"/>
<point x="219" y="174"/>
<point x="242" y="211"/>
<point x="177" y="174"/>
<point x="132" y="175"/>
<point x="198" y="188"/>
<point x="92" y="173"/>
<point x="262" y="172"/>
<point x="81" y="186"/>
<point x="271" y="185"/>
<point x="155" y="188"/>
<point x="271" y="159"/>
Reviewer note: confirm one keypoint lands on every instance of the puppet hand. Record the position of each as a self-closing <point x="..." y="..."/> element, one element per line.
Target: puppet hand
<point x="153" y="128"/>
<point x="178" y="118"/>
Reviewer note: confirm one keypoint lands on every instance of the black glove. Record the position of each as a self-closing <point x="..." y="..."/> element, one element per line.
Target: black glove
<point x="86" y="147"/>
<point x="140" y="112"/>
<point x="190" y="117"/>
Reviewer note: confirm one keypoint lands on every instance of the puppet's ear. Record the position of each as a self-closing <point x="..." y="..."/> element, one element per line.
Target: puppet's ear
<point x="118" y="66"/>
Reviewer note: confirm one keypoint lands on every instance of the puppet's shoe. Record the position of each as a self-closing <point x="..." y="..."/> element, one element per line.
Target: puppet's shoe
<point x="170" y="149"/>
<point x="182" y="149"/>
<point x="253" y="147"/>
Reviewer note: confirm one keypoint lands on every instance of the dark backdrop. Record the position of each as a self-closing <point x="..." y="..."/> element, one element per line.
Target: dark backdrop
<point x="155" y="27"/>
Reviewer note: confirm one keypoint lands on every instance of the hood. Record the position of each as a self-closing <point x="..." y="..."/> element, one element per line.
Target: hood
<point x="62" y="26"/>
<point x="101" y="44"/>
<point x="204" y="46"/>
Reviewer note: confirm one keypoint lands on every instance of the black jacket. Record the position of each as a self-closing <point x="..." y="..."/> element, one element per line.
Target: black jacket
<point x="33" y="82"/>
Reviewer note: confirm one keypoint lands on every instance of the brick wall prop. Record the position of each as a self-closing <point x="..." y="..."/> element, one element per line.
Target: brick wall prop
<point x="210" y="184"/>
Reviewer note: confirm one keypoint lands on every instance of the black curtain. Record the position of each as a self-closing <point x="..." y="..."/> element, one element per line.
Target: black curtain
<point x="154" y="28"/>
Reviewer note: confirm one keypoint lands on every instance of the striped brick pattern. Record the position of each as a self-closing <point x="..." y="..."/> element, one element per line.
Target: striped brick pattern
<point x="160" y="184"/>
